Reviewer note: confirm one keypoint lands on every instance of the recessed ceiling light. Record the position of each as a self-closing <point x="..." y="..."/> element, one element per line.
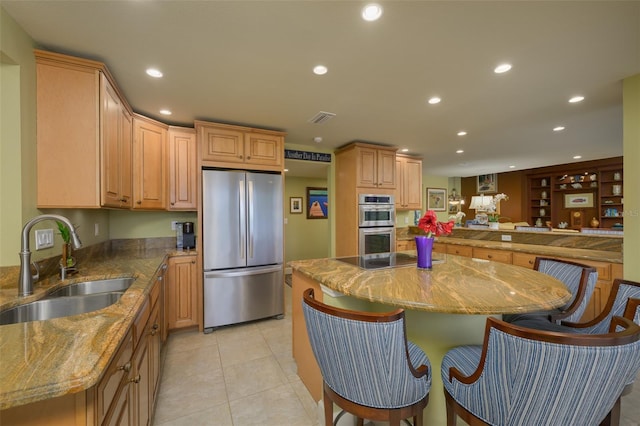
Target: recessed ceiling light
<point x="286" y="170"/>
<point x="154" y="73"/>
<point x="165" y="112"/>
<point x="558" y="128"/>
<point x="371" y="12"/>
<point x="320" y="70"/>
<point x="577" y="157"/>
<point x="502" y="68"/>
<point x="512" y="167"/>
<point x="317" y="139"/>
<point x="434" y="100"/>
<point x="460" y="151"/>
<point x="575" y="99"/>
<point x="462" y="133"/>
<point x="405" y="150"/>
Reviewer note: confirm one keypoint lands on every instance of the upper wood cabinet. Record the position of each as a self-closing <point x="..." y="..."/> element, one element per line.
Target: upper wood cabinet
<point x="149" y="163"/>
<point x="224" y="145"/>
<point x="183" y="172"/>
<point x="116" y="129"/>
<point x="84" y="135"/>
<point x="375" y="167"/>
<point x="409" y="183"/>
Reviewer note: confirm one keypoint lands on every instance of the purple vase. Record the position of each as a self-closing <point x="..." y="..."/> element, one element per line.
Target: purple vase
<point x="424" y="247"/>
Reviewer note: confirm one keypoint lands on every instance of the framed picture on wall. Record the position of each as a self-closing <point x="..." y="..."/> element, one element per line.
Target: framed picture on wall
<point x="317" y="203"/>
<point x="295" y="205"/>
<point x="487" y="183"/>
<point x="437" y="199"/>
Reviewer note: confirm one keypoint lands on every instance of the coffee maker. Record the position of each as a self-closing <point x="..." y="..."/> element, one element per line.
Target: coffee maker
<point x="188" y="237"/>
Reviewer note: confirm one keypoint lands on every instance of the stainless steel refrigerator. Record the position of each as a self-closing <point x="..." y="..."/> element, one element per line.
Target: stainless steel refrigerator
<point x="242" y="232"/>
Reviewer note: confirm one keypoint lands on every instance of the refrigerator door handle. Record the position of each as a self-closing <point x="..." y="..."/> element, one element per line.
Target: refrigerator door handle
<point x="242" y="225"/>
<point x="251" y="208"/>
<point x="243" y="272"/>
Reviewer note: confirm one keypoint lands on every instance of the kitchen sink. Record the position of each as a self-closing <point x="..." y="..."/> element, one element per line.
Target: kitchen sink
<point x="93" y="287"/>
<point x="58" y="307"/>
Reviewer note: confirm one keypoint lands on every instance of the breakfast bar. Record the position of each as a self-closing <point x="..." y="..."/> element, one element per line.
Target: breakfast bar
<point x="445" y="307"/>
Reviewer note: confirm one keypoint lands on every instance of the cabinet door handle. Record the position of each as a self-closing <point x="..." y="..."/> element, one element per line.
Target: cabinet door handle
<point x="193" y="261"/>
<point x="489" y="256"/>
<point x="135" y="379"/>
<point x="139" y="202"/>
<point x="126" y="368"/>
<point x="530" y="262"/>
<point x="240" y="156"/>
<point x="154" y="329"/>
<point x="248" y="157"/>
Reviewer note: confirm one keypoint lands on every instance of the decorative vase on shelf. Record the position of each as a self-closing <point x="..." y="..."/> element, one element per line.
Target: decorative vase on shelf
<point x="595" y="222"/>
<point x="424" y="247"/>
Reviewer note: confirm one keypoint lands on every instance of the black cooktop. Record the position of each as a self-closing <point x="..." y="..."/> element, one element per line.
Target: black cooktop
<point x="380" y="260"/>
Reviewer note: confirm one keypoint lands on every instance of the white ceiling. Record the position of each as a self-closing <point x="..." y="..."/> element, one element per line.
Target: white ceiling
<point x="250" y="62"/>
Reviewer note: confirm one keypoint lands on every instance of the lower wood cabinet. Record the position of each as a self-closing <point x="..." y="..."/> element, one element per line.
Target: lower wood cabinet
<point x="126" y="393"/>
<point x="181" y="302"/>
<point x="493" y="255"/>
<point x="607" y="271"/>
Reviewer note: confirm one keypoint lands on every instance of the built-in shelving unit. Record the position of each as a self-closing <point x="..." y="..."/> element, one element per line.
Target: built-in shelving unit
<point x="587" y="198"/>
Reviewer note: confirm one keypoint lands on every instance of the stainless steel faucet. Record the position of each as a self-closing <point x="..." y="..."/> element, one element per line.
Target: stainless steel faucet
<point x="25" y="285"/>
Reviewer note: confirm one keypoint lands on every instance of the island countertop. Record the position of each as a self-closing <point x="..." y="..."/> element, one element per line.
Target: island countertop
<point x="46" y="359"/>
<point x="455" y="285"/>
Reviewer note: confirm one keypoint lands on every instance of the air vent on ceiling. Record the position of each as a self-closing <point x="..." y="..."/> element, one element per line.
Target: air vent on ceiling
<point x="321" y="117"/>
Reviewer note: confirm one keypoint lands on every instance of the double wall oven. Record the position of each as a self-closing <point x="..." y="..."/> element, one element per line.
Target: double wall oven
<point x="376" y="224"/>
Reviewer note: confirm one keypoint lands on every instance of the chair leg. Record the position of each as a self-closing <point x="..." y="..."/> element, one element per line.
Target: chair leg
<point x="613" y="417"/>
<point x="328" y="408"/>
<point x="418" y="419"/>
<point x="451" y="414"/>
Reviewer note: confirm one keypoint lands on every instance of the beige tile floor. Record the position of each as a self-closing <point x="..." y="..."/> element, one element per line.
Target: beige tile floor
<point x="245" y="375"/>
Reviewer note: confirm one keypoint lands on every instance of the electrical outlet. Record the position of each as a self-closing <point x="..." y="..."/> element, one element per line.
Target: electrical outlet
<point x="44" y="238"/>
<point x="406" y="220"/>
<point x="174" y="224"/>
<point x="96" y="229"/>
<point x="506" y="237"/>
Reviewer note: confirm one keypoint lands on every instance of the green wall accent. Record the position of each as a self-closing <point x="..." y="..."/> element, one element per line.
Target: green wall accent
<point x="631" y="138"/>
<point x="305" y="238"/>
<point x="147" y="224"/>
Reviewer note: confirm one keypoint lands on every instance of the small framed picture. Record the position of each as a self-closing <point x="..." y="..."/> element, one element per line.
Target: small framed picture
<point x="317" y="203"/>
<point x="576" y="201"/>
<point x="437" y="199"/>
<point x="295" y="205"/>
<point x="487" y="183"/>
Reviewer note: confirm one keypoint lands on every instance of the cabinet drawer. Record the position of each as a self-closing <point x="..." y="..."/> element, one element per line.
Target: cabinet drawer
<point x="460" y="250"/>
<point x="117" y="372"/>
<point x="493" y="255"/>
<point x="405" y="245"/>
<point x="439" y="247"/>
<point x="525" y="260"/>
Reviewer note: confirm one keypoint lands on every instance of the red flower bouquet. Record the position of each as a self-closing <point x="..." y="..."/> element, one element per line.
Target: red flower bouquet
<point x="429" y="224"/>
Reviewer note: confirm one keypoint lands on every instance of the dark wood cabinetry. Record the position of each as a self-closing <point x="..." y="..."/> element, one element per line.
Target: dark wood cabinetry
<point x="589" y="197"/>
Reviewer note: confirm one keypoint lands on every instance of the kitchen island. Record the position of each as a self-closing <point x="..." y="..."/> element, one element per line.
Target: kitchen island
<point x="445" y="307"/>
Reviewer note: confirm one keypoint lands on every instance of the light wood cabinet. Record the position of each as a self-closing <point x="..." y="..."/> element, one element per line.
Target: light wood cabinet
<point x="181" y="293"/>
<point x="492" y="255"/>
<point x="128" y="389"/>
<point x="149" y="163"/>
<point x="375" y="167"/>
<point x="183" y="171"/>
<point x="84" y="135"/>
<point x="358" y="167"/>
<point x="408" y="183"/>
<point x="223" y="145"/>
<point x="405" y="245"/>
<point x="116" y="130"/>
<point x="607" y="271"/>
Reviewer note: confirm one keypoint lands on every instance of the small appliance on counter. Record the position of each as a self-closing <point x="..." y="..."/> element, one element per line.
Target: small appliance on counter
<point x="188" y="237"/>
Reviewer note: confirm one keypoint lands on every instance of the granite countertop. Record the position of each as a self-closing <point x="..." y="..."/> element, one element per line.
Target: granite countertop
<point x="573" y="246"/>
<point x="46" y="359"/>
<point x="457" y="285"/>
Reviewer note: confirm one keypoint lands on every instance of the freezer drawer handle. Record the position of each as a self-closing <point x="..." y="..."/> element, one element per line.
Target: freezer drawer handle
<point x="250" y="219"/>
